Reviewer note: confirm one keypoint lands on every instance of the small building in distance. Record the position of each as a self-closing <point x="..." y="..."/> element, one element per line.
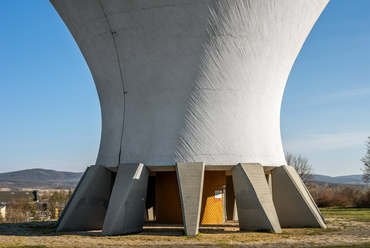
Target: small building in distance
<point x="7" y="196"/>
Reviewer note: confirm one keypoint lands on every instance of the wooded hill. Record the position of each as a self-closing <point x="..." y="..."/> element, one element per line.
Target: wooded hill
<point x="351" y="179"/>
<point x="39" y="178"/>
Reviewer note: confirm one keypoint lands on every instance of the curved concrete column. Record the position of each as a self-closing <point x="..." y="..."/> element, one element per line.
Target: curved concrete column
<point x="190" y="80"/>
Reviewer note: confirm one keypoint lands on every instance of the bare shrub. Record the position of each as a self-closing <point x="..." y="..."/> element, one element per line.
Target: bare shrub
<point x="302" y="166"/>
<point x="366" y="160"/>
<point x="16" y="216"/>
<point x="57" y="199"/>
<point x="364" y="200"/>
<point x="340" y="196"/>
<point x="322" y="195"/>
<point x="19" y="210"/>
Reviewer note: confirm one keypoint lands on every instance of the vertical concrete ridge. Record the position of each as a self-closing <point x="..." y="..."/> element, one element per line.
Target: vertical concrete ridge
<point x="126" y="208"/>
<point x="113" y="32"/>
<point x="292" y="200"/>
<point x="256" y="210"/>
<point x="90" y="199"/>
<point x="190" y="177"/>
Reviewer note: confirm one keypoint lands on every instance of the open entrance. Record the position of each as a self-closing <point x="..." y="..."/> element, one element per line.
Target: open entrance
<point x="163" y="203"/>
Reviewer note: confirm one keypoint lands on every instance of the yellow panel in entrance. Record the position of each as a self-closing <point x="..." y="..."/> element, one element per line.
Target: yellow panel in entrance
<point x="168" y="203"/>
<point x="212" y="200"/>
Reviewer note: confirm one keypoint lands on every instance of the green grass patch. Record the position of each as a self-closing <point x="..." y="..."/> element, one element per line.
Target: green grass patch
<point x="43" y="229"/>
<point x="321" y="231"/>
<point x="294" y="232"/>
<point x="356" y="214"/>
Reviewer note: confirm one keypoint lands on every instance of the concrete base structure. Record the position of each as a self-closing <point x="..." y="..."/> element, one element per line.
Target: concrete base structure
<point x="293" y="203"/>
<point x="127" y="204"/>
<point x="125" y="189"/>
<point x="253" y="199"/>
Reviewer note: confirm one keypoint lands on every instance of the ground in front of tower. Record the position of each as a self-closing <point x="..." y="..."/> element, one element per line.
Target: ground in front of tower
<point x="340" y="231"/>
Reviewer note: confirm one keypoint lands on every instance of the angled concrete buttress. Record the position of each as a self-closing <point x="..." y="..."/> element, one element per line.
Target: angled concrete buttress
<point x="71" y="198"/>
<point x="256" y="210"/>
<point x="87" y="208"/>
<point x="190" y="178"/>
<point x="293" y="203"/>
<point x="127" y="205"/>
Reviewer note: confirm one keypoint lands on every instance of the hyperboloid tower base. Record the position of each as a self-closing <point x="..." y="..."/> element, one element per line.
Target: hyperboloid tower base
<point x="117" y="199"/>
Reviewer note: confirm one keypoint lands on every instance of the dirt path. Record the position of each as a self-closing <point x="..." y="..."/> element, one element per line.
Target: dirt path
<point x="339" y="232"/>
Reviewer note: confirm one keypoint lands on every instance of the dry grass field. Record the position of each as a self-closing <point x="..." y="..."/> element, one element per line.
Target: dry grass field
<point x="347" y="227"/>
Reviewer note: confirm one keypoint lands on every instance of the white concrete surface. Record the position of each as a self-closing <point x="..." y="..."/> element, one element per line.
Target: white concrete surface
<point x="253" y="199"/>
<point x="126" y="209"/>
<point x="292" y="201"/>
<point x="190" y="177"/>
<point x="190" y="80"/>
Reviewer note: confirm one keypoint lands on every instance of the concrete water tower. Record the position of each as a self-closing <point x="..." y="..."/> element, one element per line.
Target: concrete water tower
<point x="190" y="94"/>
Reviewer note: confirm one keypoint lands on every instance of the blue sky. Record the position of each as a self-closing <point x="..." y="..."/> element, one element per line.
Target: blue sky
<point x="50" y="113"/>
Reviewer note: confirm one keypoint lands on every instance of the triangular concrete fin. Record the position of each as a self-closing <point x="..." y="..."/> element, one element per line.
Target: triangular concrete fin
<point x="61" y="216"/>
<point x="90" y="199"/>
<point x="256" y="210"/>
<point x="293" y="203"/>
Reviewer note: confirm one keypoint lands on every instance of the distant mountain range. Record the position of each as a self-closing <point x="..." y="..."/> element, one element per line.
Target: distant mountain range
<point x="51" y="179"/>
<point x="352" y="179"/>
<point x="39" y="178"/>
